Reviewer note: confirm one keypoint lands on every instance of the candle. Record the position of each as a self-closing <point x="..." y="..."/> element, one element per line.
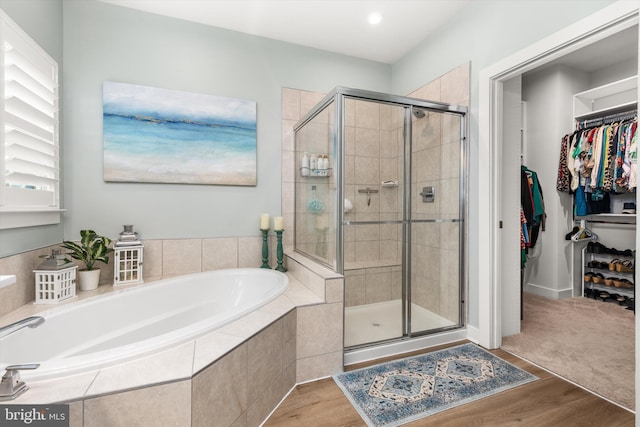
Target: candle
<point x="264" y="221"/>
<point x="278" y="223"/>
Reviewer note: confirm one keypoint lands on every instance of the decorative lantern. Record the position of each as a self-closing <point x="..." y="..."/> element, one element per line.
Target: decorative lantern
<point x="128" y="258"/>
<point x="55" y="279"/>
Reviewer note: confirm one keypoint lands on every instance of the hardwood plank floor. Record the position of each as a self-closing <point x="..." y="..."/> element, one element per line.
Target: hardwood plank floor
<point x="549" y="401"/>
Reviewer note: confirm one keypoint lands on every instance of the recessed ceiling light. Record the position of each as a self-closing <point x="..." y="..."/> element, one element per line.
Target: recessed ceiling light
<point x="375" y="18"/>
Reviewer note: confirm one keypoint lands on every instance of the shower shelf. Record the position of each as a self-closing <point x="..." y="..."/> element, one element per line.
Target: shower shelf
<point x="321" y="173"/>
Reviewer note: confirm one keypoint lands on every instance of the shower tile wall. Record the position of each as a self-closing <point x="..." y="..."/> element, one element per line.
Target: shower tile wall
<point x="435" y="246"/>
<point x="372" y="154"/>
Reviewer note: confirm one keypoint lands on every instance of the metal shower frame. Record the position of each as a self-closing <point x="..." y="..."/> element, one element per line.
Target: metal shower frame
<point x="338" y="96"/>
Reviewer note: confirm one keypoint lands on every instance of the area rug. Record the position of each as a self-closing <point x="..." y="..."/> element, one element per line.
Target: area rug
<point x="400" y="391"/>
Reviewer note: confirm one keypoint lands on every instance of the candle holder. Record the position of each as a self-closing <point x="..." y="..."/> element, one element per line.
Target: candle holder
<point x="279" y="252"/>
<point x="265" y="249"/>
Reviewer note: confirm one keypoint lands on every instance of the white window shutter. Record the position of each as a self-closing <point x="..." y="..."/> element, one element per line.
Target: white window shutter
<point x="29" y="145"/>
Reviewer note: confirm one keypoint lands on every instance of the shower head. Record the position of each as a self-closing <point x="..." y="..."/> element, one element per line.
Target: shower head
<point x="419" y="113"/>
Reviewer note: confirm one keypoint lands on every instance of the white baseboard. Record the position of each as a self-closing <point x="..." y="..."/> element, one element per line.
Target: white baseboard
<point x="550" y="293"/>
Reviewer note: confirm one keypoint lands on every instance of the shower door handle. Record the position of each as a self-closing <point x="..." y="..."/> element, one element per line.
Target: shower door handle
<point x="428" y="194"/>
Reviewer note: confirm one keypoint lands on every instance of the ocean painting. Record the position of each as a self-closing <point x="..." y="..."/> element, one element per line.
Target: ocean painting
<point x="170" y="136"/>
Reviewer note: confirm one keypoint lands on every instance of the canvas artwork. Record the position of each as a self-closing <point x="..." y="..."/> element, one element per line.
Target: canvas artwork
<point x="170" y="136"/>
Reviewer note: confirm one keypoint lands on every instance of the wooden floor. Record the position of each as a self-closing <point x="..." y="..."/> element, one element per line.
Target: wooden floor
<point x="549" y="401"/>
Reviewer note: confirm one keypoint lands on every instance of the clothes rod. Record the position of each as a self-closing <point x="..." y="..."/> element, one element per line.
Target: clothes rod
<point x="610" y="118"/>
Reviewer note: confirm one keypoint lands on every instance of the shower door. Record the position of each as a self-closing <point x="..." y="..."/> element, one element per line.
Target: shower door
<point x="434" y="215"/>
<point x="402" y="220"/>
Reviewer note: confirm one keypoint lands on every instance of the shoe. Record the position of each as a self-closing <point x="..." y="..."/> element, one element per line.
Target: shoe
<point x="610" y="281"/>
<point x="597" y="278"/>
<point x="588" y="276"/>
<point x="623" y="283"/>
<point x="613" y="264"/>
<point x="624" y="267"/>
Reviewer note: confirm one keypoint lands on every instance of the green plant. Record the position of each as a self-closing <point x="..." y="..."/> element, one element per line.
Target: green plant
<point x="92" y="248"/>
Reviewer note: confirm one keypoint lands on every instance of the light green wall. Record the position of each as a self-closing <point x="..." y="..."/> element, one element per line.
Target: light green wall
<point x="484" y="32"/>
<point x="106" y="42"/>
<point x="42" y="20"/>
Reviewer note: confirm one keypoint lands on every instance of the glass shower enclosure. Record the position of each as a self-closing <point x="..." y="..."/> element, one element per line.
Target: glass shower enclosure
<point x="379" y="198"/>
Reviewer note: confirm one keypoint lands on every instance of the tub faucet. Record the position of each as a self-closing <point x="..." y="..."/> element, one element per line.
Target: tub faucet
<point x="12" y="385"/>
<point x="30" y="322"/>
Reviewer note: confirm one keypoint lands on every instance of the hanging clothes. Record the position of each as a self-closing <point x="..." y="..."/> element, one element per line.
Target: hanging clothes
<point x="532" y="204"/>
<point x="597" y="161"/>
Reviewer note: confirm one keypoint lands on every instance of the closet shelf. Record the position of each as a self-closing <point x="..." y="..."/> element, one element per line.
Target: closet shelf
<point x="618" y="96"/>
<point x="610" y="218"/>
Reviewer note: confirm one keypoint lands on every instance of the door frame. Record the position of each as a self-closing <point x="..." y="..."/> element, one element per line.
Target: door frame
<point x="607" y="21"/>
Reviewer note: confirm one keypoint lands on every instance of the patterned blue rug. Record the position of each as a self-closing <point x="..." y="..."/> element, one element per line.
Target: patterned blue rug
<point x="405" y="390"/>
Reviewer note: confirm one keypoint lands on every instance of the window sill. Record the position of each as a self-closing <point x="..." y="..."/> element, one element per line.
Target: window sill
<point x="16" y="218"/>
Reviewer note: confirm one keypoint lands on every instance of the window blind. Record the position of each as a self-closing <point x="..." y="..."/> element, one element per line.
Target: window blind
<point x="29" y="115"/>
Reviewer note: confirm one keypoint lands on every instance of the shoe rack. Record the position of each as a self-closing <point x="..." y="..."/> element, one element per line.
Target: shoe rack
<point x="608" y="274"/>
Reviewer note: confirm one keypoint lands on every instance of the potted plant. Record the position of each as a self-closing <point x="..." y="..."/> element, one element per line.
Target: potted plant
<point x="91" y="249"/>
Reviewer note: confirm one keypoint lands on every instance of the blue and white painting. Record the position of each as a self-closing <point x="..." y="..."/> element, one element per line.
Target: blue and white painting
<point x="170" y="136"/>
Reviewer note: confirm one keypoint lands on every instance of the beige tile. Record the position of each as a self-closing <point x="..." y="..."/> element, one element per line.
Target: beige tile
<point x="367" y="115"/>
<point x="76" y="414"/>
<point x="241" y="421"/>
<point x="288" y="135"/>
<point x="211" y="347"/>
<point x="350" y="112"/>
<point x="56" y="390"/>
<point x="250" y="252"/>
<point x="308" y="100"/>
<point x="264" y="353"/>
<point x="169" y="365"/>
<point x="260" y="409"/>
<point x="299" y="295"/>
<point x="181" y="256"/>
<point x="367" y="142"/>
<point x="455" y="85"/>
<point x="321" y="366"/>
<point x="280" y="306"/>
<point x="288" y="190"/>
<point x="249" y="324"/>
<point x="152" y="259"/>
<point x="319" y="329"/>
<point x="290" y="104"/>
<point x="289" y="331"/>
<point x="219" y="253"/>
<point x="355" y="290"/>
<point x="378" y="287"/>
<point x="334" y="290"/>
<point x="289" y="166"/>
<point x="367" y="171"/>
<point x="220" y="391"/>
<point x="169" y="403"/>
<point x="429" y="92"/>
<point x="367" y="251"/>
<point x="450" y="198"/>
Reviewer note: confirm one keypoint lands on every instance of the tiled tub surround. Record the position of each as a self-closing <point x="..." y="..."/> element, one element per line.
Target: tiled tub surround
<point x="232" y="376"/>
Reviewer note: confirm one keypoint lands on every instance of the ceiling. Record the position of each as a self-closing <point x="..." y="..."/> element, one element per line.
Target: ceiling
<point x="339" y="26"/>
<point x="615" y="49"/>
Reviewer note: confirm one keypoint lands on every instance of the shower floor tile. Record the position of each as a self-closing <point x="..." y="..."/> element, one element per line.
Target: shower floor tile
<point x="382" y="321"/>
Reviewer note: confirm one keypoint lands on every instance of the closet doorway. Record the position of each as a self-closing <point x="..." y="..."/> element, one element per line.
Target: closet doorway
<point x="498" y="273"/>
<point x="501" y="88"/>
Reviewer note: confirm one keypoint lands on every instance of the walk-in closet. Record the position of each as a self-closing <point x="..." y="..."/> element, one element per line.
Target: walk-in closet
<point x="576" y="126"/>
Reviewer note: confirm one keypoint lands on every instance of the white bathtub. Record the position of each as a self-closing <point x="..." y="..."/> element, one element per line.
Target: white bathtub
<point x="134" y="322"/>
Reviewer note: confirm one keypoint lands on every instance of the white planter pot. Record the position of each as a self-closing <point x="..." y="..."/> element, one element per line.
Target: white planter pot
<point x="89" y="279"/>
